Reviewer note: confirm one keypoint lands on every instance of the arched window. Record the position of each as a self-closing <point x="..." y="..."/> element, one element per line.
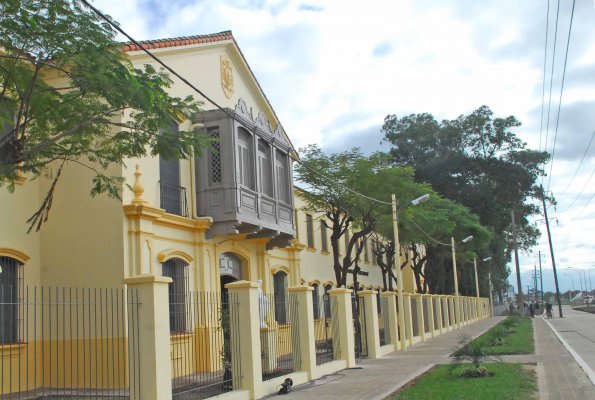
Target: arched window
<point x="280" y="290"/>
<point x="177" y="270"/>
<point x="264" y="168"/>
<point x="10" y="285"/>
<point x="316" y="301"/>
<point x="245" y="159"/>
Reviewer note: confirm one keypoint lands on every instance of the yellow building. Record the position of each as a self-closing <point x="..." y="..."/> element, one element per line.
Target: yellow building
<point x="230" y="215"/>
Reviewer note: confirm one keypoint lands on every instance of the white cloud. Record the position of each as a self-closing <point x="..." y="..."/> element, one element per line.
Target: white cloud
<point x="316" y="61"/>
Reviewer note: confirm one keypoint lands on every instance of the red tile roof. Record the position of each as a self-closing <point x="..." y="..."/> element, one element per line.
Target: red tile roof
<point x="180" y="41"/>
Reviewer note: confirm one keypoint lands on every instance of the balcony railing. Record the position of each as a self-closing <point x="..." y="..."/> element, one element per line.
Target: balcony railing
<point x="173" y="198"/>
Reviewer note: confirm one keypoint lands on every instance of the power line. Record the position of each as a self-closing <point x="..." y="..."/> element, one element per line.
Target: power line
<point x="184" y="80"/>
<point x="561" y="91"/>
<point x="579" y="165"/>
<point x="547" y="24"/>
<point x="552" y="77"/>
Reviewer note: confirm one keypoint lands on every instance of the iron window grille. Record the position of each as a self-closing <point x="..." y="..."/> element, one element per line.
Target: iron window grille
<point x="310" y="230"/>
<point x="11" y="291"/>
<point x="178" y="290"/>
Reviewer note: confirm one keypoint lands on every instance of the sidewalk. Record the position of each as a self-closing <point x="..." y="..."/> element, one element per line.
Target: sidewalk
<point x="559" y="374"/>
<point x="377" y="379"/>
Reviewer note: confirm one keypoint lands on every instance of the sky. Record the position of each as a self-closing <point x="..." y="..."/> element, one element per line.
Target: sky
<point x="333" y="70"/>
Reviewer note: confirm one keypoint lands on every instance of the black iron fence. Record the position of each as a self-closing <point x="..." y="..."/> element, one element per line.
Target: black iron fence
<point x="173" y="198"/>
<point x="324" y="329"/>
<point x="425" y="302"/>
<point x="414" y="321"/>
<point x="279" y="336"/>
<point x="359" y="327"/>
<point x="69" y="343"/>
<point x="384" y="322"/>
<point x="204" y="351"/>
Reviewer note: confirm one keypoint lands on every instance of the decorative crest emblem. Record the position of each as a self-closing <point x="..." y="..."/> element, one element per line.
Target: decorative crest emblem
<point x="227" y="76"/>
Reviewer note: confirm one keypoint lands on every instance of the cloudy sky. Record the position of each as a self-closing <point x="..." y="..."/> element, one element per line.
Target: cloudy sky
<point x="334" y="69"/>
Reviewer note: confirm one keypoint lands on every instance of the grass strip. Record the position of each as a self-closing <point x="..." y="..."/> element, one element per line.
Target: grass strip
<point x="518" y="340"/>
<point x="509" y="382"/>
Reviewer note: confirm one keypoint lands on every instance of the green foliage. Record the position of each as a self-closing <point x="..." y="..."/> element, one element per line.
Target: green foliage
<point x="509" y="382"/>
<point x="472" y="355"/>
<point x="69" y="95"/>
<point x="517" y="337"/>
<point x="478" y="161"/>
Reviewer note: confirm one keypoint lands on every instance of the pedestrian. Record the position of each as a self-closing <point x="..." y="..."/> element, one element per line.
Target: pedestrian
<point x="531" y="309"/>
<point x="548" y="310"/>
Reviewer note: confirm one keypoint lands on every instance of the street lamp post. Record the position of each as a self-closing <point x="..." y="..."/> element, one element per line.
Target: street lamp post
<point x="572" y="281"/>
<point x="477" y="283"/>
<point x="456" y="280"/>
<point x="580" y="280"/>
<point x="397" y="266"/>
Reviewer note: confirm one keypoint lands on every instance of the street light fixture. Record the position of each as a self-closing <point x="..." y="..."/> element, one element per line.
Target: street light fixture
<point x="477" y="283"/>
<point x="580" y="279"/>
<point x="572" y="281"/>
<point x="397" y="265"/>
<point x="456" y="279"/>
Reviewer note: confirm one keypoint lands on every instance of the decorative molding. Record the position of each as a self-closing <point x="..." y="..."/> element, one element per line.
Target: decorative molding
<point x="283" y="268"/>
<point x="168" y="254"/>
<point x="14" y="253"/>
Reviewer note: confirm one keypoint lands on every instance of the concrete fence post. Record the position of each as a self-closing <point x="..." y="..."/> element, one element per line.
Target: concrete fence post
<point x="408" y="319"/>
<point x="430" y="311"/>
<point x="341" y="310"/>
<point x="243" y="308"/>
<point x="305" y="315"/>
<point x="393" y="320"/>
<point x="152" y="339"/>
<point x="371" y="321"/>
<point x="419" y="306"/>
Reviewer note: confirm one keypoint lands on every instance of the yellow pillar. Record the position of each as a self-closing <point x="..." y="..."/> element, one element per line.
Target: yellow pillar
<point x="306" y="329"/>
<point x="371" y="321"/>
<point x="393" y="324"/>
<point x="152" y="339"/>
<point x="243" y="308"/>
<point x="341" y="309"/>
<point x="408" y="319"/>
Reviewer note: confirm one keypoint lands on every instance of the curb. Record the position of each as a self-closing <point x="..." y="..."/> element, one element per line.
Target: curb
<point x="574" y="354"/>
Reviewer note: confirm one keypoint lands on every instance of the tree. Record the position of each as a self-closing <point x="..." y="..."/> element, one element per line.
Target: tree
<point x="478" y="161"/>
<point x="425" y="232"/>
<point x="69" y="95"/>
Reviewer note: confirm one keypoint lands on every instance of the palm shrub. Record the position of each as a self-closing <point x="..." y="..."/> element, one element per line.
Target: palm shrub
<point x="473" y="355"/>
<point x="497" y="336"/>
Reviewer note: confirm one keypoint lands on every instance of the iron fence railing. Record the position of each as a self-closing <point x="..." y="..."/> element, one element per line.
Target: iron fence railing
<point x="173" y="198"/>
<point x="279" y="338"/>
<point x="204" y="355"/>
<point x="359" y="327"/>
<point x="324" y="329"/>
<point x="426" y="313"/>
<point x="384" y="322"/>
<point x="414" y="321"/>
<point x="72" y="343"/>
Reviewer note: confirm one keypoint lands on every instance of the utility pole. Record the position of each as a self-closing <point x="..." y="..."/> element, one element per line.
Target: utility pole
<point x="540" y="275"/>
<point x="549" y="237"/>
<point x="535" y="281"/>
<point x="516" y="261"/>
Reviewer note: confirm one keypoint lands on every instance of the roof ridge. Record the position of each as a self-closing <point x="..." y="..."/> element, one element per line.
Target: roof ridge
<point x="179" y="41"/>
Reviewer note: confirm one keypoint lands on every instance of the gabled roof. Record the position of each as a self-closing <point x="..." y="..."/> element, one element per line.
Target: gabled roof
<point x="201" y="39"/>
<point x="180" y="41"/>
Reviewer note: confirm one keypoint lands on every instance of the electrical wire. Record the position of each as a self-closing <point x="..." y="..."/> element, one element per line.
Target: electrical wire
<point x="429" y="236"/>
<point x="579" y="166"/>
<point x="547" y="24"/>
<point x="184" y="80"/>
<point x="561" y="92"/>
<point x="547" y="128"/>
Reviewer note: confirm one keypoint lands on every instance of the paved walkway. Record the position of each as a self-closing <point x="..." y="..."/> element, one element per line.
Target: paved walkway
<point x="559" y="374"/>
<point x="377" y="379"/>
